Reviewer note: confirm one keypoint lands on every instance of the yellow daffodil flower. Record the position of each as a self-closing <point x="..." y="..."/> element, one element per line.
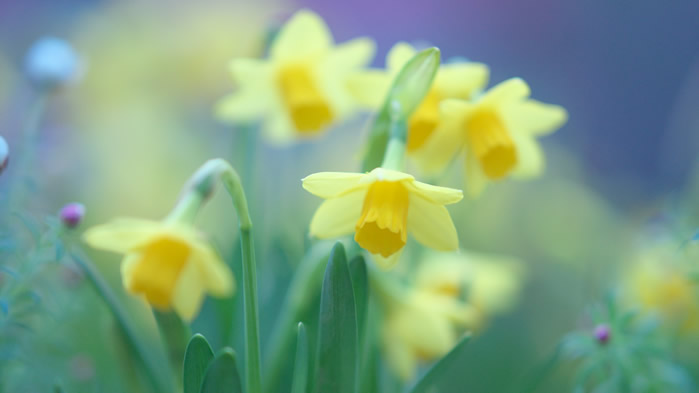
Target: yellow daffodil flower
<point x="498" y="133"/>
<point x="381" y="207"/>
<point x="302" y="87"/>
<point x="423" y="327"/>
<point x="169" y="263"/>
<point x="452" y="293"/>
<point x="453" y="80"/>
<point x="658" y="281"/>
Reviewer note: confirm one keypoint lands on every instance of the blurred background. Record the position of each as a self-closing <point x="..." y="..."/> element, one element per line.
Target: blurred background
<point x="125" y="137"/>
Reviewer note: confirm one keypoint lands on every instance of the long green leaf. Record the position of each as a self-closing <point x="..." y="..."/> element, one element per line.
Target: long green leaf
<point x="197" y="358"/>
<point x="337" y="360"/>
<point x="360" y="285"/>
<point x="222" y="374"/>
<point x="159" y="382"/>
<point x="430" y="381"/>
<point x="300" y="381"/>
<point x="407" y="92"/>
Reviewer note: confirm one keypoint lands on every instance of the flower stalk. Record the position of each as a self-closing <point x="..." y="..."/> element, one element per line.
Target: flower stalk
<point x="202" y="182"/>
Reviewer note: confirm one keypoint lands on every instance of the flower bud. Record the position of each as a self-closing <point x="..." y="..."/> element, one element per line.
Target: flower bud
<point x="4" y="154"/>
<point x="602" y="333"/>
<point x="71" y="214"/>
<point x="51" y="63"/>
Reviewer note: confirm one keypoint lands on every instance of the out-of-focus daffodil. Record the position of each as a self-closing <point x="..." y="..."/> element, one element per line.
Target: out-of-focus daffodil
<point x="381" y="207"/>
<point x="460" y="80"/>
<point x="423" y="327"/>
<point x="659" y="282"/>
<point x="497" y="131"/>
<point x="169" y="263"/>
<point x="302" y="87"/>
<point x="452" y="293"/>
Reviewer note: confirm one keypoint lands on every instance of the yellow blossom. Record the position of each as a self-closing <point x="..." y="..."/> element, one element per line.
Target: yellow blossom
<point x="659" y="282"/>
<point x="453" y="80"/>
<point x="302" y="88"/>
<point x="498" y="132"/>
<point x="169" y="263"/>
<point x="422" y="327"/>
<point x="452" y="293"/>
<point x="381" y="207"/>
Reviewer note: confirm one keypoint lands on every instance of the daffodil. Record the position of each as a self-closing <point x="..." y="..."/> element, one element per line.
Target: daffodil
<point x="658" y="281"/>
<point x="460" y="79"/>
<point x="422" y="327"/>
<point x="497" y="131"/>
<point x="452" y="293"/>
<point x="168" y="263"/>
<point x="381" y="207"/>
<point x="302" y="88"/>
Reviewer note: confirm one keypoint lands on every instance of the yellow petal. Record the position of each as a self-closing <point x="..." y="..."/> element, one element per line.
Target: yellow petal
<point x="383" y="174"/>
<point x="399" y="54"/>
<point x="122" y="234"/>
<point x="277" y="127"/>
<point x="244" y="70"/>
<point x="369" y="88"/>
<point x="530" y="158"/>
<point x="440" y="149"/>
<point x="350" y="55"/>
<point x="242" y="106"/>
<point x="431" y="224"/>
<point x="461" y="80"/>
<point x="534" y="117"/>
<point x="399" y="356"/>
<point x="436" y="194"/>
<point x="189" y="293"/>
<point x="475" y="179"/>
<point x="214" y="274"/>
<point x="508" y="91"/>
<point x="331" y="184"/>
<point x="127" y="267"/>
<point x="338" y="216"/>
<point x="304" y="35"/>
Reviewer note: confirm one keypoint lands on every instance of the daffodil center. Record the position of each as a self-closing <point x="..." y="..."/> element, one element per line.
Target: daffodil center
<point x="155" y="274"/>
<point x="382" y="226"/>
<point x="308" y="108"/>
<point x="424" y="121"/>
<point x="492" y="145"/>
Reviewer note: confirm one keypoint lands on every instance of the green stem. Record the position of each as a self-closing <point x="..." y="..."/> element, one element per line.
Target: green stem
<point x="203" y="181"/>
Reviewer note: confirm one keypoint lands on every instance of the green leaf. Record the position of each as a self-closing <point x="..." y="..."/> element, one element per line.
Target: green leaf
<point x="407" y="92"/>
<point x="300" y="382"/>
<point x="222" y="374"/>
<point x="336" y="362"/>
<point x="197" y="357"/>
<point x="429" y="382"/>
<point x="360" y="286"/>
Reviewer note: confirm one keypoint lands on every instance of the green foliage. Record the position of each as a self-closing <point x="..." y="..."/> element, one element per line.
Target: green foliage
<point x="636" y="357"/>
<point x="431" y="380"/>
<point x="300" y="381"/>
<point x="337" y="352"/>
<point x="197" y="357"/>
<point x="222" y="374"/>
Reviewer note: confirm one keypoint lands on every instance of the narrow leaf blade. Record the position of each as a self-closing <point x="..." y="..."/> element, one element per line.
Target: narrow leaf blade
<point x="428" y="383"/>
<point x="197" y="357"/>
<point x="222" y="374"/>
<point x="336" y="362"/>
<point x="300" y="381"/>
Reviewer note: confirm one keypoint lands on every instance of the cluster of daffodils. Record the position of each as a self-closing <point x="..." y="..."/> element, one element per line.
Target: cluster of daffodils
<point x="305" y="86"/>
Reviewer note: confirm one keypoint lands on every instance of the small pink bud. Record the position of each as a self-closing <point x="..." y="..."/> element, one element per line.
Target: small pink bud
<point x="71" y="214"/>
<point x="602" y="333"/>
